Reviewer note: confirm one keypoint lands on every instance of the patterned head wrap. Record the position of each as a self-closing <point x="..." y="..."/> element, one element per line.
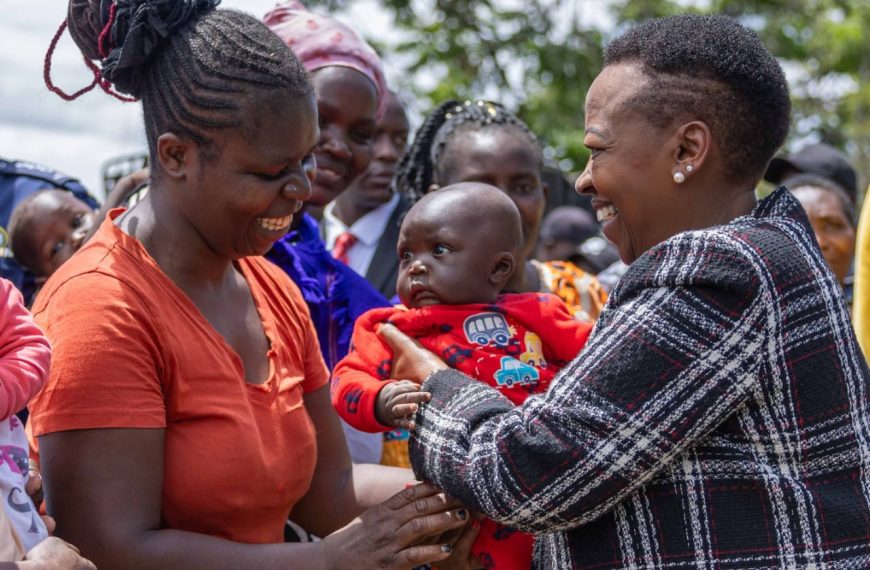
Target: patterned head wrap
<point x="322" y="41"/>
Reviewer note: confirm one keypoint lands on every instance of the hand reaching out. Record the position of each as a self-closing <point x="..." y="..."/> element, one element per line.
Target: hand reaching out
<point x="398" y="401"/>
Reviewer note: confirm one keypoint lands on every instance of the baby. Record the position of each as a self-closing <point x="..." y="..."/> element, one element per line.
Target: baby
<point x="46" y="228"/>
<point x="457" y="250"/>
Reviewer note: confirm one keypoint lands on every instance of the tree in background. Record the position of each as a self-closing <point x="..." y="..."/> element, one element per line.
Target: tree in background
<point x="539" y="59"/>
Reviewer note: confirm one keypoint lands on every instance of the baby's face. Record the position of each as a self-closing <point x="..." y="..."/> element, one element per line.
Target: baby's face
<point x="443" y="260"/>
<point x="59" y="222"/>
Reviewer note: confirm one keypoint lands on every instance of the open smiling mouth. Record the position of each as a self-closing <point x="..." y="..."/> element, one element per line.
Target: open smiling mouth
<point x="275" y="224"/>
<point x="605" y="213"/>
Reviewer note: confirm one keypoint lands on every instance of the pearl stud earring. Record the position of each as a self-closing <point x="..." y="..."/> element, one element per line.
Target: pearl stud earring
<point x="689" y="168"/>
<point x="679" y="177"/>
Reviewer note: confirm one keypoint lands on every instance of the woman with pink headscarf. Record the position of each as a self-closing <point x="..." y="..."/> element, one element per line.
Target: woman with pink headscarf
<point x="351" y="95"/>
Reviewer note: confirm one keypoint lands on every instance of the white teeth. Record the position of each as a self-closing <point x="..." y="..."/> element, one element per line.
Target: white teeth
<point x="605" y="213"/>
<point x="275" y="224"/>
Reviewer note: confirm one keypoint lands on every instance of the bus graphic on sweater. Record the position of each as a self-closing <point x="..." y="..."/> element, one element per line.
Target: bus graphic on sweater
<point x="486" y="328"/>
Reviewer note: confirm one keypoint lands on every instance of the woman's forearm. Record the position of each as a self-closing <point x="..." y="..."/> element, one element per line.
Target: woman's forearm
<point x="190" y="551"/>
<point x="373" y="484"/>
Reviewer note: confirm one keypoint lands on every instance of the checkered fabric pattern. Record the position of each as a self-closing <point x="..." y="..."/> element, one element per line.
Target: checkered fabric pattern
<point x="717" y="418"/>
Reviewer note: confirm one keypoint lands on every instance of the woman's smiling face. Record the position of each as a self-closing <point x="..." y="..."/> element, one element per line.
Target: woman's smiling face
<point x="629" y="173"/>
<point x="347" y="103"/>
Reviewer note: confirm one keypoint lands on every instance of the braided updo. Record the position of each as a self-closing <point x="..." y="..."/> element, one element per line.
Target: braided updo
<point x="429" y="154"/>
<point x="194" y="67"/>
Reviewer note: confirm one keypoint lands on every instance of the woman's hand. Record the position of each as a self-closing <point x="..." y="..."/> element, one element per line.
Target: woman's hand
<point x="33" y="488"/>
<point x="55" y="554"/>
<point x="461" y="557"/>
<point x="410" y="360"/>
<point x="393" y="535"/>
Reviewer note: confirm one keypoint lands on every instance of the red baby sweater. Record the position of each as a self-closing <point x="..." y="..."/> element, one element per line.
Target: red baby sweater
<point x="516" y="345"/>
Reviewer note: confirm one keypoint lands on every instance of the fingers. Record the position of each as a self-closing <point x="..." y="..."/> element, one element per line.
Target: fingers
<point x="431" y="525"/>
<point x="33" y="487"/>
<point x="414" y="556"/>
<point x="410" y="494"/>
<point x="415" y="397"/>
<point x="462" y="547"/>
<point x="420" y="500"/>
<point x="404" y="406"/>
<point x="49" y="523"/>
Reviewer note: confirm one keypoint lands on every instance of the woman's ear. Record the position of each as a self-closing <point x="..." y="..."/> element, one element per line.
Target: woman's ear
<point x="174" y="155"/>
<point x="694" y="144"/>
<point x="502" y="269"/>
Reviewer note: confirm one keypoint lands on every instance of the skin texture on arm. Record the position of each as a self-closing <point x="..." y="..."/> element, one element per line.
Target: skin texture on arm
<point x="339" y="489"/>
<point x="615" y="416"/>
<point x="113" y="514"/>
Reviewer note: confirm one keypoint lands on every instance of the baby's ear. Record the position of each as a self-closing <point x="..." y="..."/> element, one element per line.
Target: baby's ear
<point x="502" y="269"/>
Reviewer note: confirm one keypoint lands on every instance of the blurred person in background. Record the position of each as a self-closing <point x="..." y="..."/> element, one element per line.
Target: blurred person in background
<point x="562" y="231"/>
<point x="833" y="218"/>
<point x="363" y="222"/>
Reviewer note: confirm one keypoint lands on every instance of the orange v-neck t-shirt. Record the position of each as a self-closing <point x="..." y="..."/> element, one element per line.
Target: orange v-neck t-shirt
<point x="131" y="350"/>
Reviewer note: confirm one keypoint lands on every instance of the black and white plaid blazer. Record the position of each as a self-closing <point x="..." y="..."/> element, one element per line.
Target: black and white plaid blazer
<point x="717" y="418"/>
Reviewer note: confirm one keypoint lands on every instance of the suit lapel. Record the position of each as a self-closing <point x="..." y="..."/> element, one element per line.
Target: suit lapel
<point x="384" y="268"/>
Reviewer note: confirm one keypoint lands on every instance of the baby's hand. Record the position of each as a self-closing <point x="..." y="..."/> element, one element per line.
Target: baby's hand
<point x="397" y="402"/>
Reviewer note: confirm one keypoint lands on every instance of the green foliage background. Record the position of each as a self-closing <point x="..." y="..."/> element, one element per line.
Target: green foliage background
<point x="537" y="58"/>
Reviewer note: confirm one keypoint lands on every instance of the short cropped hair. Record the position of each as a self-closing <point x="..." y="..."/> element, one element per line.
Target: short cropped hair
<point x="712" y="67"/>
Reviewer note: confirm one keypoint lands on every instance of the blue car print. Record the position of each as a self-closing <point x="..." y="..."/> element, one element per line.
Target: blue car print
<point x="515" y="372"/>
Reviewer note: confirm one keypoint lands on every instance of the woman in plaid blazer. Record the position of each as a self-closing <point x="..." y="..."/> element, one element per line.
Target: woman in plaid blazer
<point x="718" y="416"/>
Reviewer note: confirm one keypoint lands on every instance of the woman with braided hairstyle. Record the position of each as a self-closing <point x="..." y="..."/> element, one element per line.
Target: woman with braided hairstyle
<point x="187" y="412"/>
<point x="480" y="141"/>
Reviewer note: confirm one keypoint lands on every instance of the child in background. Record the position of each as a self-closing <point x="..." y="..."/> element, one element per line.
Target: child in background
<point x="46" y="228"/>
<point x="457" y="250"/>
<point x="24" y="362"/>
<point x="49" y="226"/>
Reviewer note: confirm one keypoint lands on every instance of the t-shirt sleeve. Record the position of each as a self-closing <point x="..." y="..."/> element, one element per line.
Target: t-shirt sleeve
<point x="24" y="352"/>
<point x="106" y="358"/>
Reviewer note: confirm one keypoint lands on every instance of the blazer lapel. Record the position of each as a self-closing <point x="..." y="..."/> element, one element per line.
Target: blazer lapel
<point x="384" y="268"/>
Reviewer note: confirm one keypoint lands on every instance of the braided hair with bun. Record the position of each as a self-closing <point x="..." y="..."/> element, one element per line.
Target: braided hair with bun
<point x="194" y="67"/>
<point x="429" y="155"/>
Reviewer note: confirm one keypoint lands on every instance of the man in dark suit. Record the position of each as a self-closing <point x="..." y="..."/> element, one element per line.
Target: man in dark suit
<point x="361" y="227"/>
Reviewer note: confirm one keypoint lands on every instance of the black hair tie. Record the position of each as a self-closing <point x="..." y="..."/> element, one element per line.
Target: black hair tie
<point x="138" y="28"/>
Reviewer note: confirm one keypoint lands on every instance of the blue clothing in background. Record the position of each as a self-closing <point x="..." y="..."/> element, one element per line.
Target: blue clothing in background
<point x="336" y="295"/>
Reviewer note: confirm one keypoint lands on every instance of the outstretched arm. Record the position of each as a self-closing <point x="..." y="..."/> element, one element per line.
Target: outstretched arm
<point x="667" y="364"/>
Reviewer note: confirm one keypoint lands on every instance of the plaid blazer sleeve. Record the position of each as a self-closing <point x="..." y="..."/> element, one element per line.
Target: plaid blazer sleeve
<point x="674" y="354"/>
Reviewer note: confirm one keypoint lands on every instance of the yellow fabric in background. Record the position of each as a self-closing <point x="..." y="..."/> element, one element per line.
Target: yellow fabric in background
<point x="861" y="295"/>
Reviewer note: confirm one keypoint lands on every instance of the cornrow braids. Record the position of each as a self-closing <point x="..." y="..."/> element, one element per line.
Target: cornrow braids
<point x="427" y="156"/>
<point x="195" y="68"/>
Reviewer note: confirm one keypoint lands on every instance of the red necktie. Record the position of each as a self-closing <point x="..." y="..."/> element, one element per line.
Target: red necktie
<point x="342" y="245"/>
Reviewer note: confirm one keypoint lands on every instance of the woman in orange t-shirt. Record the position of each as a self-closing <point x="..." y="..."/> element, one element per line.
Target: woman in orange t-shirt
<point x="187" y="412"/>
